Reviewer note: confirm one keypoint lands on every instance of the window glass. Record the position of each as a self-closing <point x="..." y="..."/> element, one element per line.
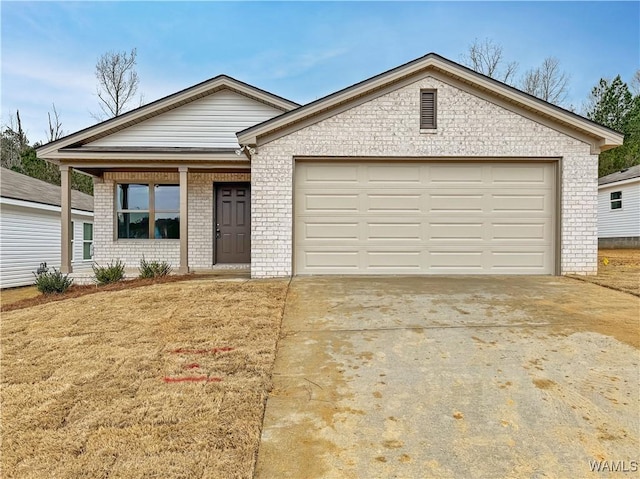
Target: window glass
<point x="133" y="225"/>
<point x="616" y="200"/>
<point x="167" y="225"/>
<point x="167" y="197"/>
<point x="88" y="231"/>
<point x="133" y="197"/>
<point x="147" y="211"/>
<point x="87" y="244"/>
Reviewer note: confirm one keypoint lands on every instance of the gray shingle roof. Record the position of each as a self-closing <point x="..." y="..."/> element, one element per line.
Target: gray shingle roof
<point x="626" y="174"/>
<point x="21" y="187"/>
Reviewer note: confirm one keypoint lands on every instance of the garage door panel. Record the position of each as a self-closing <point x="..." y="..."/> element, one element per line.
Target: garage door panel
<point x="330" y="202"/>
<point x="517" y="230"/>
<point x="458" y="202"/>
<point x="520" y="203"/>
<point x="518" y="175"/>
<point x="404" y="174"/>
<point x="393" y="202"/>
<point x="329" y="173"/>
<point x="404" y="232"/>
<point x="510" y="260"/>
<point x="394" y="260"/>
<point x="331" y="231"/>
<point x="453" y="174"/>
<point x="467" y="260"/>
<point x="456" y="231"/>
<point x="335" y="261"/>
<point x="425" y="218"/>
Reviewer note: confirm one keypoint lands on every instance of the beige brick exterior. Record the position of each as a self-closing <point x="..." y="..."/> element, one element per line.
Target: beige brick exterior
<point x="200" y="187"/>
<point x="388" y="126"/>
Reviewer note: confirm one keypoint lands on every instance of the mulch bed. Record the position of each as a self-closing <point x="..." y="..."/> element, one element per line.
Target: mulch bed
<point x="75" y="291"/>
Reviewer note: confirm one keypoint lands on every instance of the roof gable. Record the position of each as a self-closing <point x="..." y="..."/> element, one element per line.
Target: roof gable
<point x="163" y="105"/>
<point x="600" y="137"/>
<point x="208" y="122"/>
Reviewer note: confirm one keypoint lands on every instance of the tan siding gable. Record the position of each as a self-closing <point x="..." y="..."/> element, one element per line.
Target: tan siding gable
<point x="210" y="122"/>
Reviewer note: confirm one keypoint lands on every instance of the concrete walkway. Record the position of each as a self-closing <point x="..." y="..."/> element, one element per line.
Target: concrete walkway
<point x="453" y="377"/>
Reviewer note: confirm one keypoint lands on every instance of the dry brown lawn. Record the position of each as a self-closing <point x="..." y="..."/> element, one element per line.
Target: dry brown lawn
<point x="165" y="381"/>
<point x="618" y="269"/>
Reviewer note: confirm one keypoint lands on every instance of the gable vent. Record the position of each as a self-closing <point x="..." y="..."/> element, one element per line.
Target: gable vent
<point x="427" y="109"/>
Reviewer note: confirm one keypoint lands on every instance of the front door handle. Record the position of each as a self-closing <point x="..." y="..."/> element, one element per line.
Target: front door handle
<point x="218" y="234"/>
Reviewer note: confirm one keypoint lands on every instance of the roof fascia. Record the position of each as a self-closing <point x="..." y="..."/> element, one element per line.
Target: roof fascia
<point x="80" y="156"/>
<point x="167" y="164"/>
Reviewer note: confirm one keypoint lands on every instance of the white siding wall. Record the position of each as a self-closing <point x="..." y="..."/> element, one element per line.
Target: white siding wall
<point x="209" y="122"/>
<point x="625" y="221"/>
<point x="30" y="236"/>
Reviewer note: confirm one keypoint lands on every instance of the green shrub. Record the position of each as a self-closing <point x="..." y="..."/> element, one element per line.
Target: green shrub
<point x="154" y="269"/>
<point x="50" y="282"/>
<point x="111" y="273"/>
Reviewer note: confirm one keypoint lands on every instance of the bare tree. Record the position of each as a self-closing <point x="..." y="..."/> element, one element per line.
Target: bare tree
<point x="13" y="141"/>
<point x="55" y="131"/>
<point x="486" y="57"/>
<point x="635" y="83"/>
<point x="547" y="82"/>
<point x="117" y="82"/>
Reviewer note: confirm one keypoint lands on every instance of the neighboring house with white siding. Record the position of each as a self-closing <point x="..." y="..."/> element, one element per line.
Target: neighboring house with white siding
<point x="30" y="228"/>
<point x="619" y="209"/>
<point x="428" y="168"/>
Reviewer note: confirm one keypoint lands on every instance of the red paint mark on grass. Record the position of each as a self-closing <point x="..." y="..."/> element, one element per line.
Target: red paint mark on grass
<point x="202" y="351"/>
<point x="191" y="366"/>
<point x="192" y="379"/>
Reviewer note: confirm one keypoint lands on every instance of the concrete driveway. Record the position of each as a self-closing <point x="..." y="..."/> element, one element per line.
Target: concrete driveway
<point x="453" y="377"/>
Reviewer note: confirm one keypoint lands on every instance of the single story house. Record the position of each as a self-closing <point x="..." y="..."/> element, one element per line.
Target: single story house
<point x="619" y="209"/>
<point x="30" y="228"/>
<point x="428" y="168"/>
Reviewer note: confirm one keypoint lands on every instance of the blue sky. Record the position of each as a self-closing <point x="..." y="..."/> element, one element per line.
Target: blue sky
<point x="299" y="50"/>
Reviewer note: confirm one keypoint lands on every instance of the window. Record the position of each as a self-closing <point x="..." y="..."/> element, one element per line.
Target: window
<point x="616" y="200"/>
<point x="427" y="109"/>
<point x="87" y="241"/>
<point x="148" y="211"/>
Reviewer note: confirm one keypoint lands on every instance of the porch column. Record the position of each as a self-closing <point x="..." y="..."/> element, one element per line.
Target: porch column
<point x="65" y="218"/>
<point x="184" y="221"/>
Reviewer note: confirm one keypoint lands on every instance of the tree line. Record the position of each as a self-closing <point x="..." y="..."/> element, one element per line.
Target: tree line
<point x="612" y="103"/>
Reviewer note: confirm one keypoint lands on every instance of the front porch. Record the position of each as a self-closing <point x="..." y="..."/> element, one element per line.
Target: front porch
<point x="171" y="216"/>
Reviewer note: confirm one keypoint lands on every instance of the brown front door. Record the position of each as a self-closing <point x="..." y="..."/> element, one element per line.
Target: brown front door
<point x="233" y="223"/>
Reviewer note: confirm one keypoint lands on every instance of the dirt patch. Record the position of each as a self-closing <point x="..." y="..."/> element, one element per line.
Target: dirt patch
<point x="617" y="269"/>
<point x="543" y="383"/>
<point x="84" y="381"/>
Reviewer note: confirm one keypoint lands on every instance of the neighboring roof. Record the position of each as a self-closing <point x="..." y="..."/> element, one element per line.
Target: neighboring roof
<point x="603" y="138"/>
<point x="22" y="187"/>
<point x="622" y="175"/>
<point x="108" y="127"/>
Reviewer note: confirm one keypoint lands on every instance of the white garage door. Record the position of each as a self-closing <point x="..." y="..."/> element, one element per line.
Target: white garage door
<point x="424" y="218"/>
